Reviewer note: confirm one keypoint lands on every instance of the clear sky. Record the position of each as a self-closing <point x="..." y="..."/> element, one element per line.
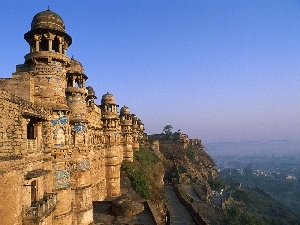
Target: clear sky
<point x="218" y="70"/>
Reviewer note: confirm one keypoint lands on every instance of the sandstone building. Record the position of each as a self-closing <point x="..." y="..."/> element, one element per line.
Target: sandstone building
<point x="59" y="151"/>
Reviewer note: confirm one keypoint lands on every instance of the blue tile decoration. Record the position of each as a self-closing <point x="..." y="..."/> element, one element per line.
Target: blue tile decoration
<point x="61" y="179"/>
<point x="58" y="129"/>
<point x="84" y="165"/>
<point x="79" y="127"/>
<point x="63" y="119"/>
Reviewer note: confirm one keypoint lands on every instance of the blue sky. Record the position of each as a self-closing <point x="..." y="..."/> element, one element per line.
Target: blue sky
<point x="216" y="70"/>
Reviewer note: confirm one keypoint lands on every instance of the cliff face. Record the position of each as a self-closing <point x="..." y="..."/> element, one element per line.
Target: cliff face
<point x="192" y="172"/>
<point x="185" y="159"/>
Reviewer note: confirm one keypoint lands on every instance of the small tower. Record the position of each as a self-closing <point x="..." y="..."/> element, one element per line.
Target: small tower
<point x="135" y="133"/>
<point x="91" y="96"/>
<point x="113" y="154"/>
<point x="126" y="130"/>
<point x="46" y="62"/>
<point x="76" y="94"/>
<point x="140" y="128"/>
<point x="98" y="168"/>
<point x="45" y="66"/>
<point x="81" y="159"/>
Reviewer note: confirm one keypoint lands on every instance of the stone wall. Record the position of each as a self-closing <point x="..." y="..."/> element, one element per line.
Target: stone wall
<point x="12" y="127"/>
<point x="21" y="86"/>
<point x="14" y="117"/>
<point x="21" y="164"/>
<point x="11" y="194"/>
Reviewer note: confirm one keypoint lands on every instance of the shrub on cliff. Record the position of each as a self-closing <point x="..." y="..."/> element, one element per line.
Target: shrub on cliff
<point x="145" y="174"/>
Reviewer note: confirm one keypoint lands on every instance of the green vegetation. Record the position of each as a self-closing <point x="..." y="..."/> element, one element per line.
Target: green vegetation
<point x="254" y="206"/>
<point x="284" y="191"/>
<point x="190" y="153"/>
<point x="216" y="183"/>
<point x="182" y="168"/>
<point x="168" y="135"/>
<point x="145" y="173"/>
<point x="235" y="216"/>
<point x="168" y="129"/>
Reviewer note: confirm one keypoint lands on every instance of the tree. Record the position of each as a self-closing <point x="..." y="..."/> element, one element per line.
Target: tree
<point x="168" y="129"/>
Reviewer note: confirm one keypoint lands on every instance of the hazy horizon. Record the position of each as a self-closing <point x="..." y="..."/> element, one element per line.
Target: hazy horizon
<point x="253" y="148"/>
<point x="216" y="70"/>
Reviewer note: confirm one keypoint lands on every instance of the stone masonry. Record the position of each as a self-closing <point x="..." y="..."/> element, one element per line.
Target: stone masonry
<point x="59" y="150"/>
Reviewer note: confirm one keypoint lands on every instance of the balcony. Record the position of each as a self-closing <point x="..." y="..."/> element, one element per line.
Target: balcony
<point x="41" y="208"/>
<point x="31" y="145"/>
<point x="46" y="54"/>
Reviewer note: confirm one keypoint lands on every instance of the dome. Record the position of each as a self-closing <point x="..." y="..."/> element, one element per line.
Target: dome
<point x="47" y="20"/>
<point x="91" y="92"/>
<point x="108" y="99"/>
<point x="124" y="111"/>
<point x="75" y="67"/>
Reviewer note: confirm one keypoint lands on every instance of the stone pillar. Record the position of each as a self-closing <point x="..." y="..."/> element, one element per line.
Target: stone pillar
<point x="37" y="39"/>
<point x="60" y="45"/>
<point x="38" y="135"/>
<point x="73" y="81"/>
<point x="65" y="47"/>
<point x="50" y="37"/>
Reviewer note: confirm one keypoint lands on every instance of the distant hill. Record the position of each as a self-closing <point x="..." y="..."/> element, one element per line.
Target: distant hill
<point x="258" y="207"/>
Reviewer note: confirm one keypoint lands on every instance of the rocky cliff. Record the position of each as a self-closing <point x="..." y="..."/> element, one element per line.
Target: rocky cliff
<point x="192" y="172"/>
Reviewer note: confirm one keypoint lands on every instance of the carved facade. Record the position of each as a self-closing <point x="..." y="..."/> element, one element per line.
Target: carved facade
<point x="59" y="151"/>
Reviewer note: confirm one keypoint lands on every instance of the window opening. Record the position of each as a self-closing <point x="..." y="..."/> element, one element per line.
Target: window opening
<point x="55" y="45"/>
<point x="44" y="45"/>
<point x="33" y="192"/>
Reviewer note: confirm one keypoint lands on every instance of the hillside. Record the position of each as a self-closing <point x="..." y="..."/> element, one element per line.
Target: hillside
<point x="193" y="172"/>
<point x="257" y="207"/>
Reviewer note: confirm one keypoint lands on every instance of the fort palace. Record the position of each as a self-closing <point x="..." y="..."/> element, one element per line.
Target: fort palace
<point x="59" y="150"/>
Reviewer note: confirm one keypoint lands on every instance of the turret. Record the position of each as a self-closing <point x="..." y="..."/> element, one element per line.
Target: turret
<point x="46" y="65"/>
<point x="126" y="130"/>
<point x="91" y="96"/>
<point x="135" y="133"/>
<point x="76" y="92"/>
<point x="47" y="59"/>
<point x="113" y="154"/>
